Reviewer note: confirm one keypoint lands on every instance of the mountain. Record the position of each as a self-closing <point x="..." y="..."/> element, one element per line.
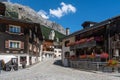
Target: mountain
<point x="26" y="13"/>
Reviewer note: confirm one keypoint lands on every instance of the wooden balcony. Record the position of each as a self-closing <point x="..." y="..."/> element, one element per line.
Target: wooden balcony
<point x="83" y="45"/>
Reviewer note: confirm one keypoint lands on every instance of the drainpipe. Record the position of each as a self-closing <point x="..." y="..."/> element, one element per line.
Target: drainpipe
<point x="109" y="41"/>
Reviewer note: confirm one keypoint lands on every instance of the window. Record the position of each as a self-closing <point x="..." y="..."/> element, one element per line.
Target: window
<point x="67" y="54"/>
<point x="35" y="37"/>
<point x="30" y="46"/>
<point x="14" y="44"/>
<point x="22" y="58"/>
<point x="38" y="50"/>
<point x="30" y="33"/>
<point x="55" y="51"/>
<point x="66" y="42"/>
<point x="60" y="51"/>
<point x="38" y="40"/>
<point x="14" y="29"/>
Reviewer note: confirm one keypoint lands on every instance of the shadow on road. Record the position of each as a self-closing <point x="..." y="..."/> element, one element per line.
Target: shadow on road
<point x="58" y="62"/>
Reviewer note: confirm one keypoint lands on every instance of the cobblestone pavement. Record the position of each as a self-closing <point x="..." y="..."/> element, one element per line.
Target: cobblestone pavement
<point x="50" y="70"/>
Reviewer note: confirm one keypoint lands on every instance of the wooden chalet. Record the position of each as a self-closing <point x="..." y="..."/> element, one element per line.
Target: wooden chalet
<point x="51" y="46"/>
<point x="20" y="38"/>
<point x="93" y="40"/>
<point x="2" y="9"/>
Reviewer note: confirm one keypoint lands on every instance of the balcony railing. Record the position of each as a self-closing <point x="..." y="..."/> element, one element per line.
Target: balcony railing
<point x="90" y="65"/>
<point x="83" y="45"/>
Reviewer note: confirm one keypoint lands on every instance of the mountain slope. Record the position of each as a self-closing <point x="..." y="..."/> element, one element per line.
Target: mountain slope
<point x="26" y="13"/>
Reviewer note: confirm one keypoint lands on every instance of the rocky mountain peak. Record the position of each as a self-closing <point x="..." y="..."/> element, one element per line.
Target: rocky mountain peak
<point x="26" y="13"/>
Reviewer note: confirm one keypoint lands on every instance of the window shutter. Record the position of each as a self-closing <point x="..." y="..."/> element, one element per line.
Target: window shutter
<point x="22" y="30"/>
<point x="22" y="45"/>
<point x="38" y="50"/>
<point x="7" y="28"/>
<point x="6" y="44"/>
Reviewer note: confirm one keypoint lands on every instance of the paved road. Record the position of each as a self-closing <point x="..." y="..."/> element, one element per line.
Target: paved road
<point x="47" y="70"/>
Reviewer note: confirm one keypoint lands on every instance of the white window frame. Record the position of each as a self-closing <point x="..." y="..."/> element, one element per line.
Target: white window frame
<point x="35" y="37"/>
<point x="14" y="26"/>
<point x="30" y="46"/>
<point x="38" y="40"/>
<point x="38" y="50"/>
<point x="14" y="42"/>
<point x="30" y="35"/>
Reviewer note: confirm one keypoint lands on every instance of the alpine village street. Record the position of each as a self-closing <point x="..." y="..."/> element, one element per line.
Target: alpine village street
<point x="33" y="46"/>
<point x="51" y="69"/>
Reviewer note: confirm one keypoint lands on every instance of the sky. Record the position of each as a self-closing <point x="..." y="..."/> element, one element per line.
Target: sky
<point x="72" y="13"/>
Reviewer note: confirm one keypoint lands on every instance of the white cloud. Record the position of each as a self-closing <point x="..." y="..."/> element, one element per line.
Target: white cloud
<point x="43" y="14"/>
<point x="61" y="11"/>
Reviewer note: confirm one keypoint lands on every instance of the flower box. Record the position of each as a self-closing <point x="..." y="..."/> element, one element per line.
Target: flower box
<point x="92" y="56"/>
<point x="104" y="55"/>
<point x="83" y="56"/>
<point x="72" y="57"/>
<point x="71" y="44"/>
<point x="77" y="42"/>
<point x="99" y="38"/>
<point x="90" y="39"/>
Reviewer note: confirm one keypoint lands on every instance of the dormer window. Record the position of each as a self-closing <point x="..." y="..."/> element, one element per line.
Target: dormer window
<point x="14" y="29"/>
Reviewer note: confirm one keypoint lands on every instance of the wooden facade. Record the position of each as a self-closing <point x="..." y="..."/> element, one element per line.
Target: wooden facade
<point x="48" y="45"/>
<point x="20" y="38"/>
<point x="2" y="9"/>
<point x="103" y="37"/>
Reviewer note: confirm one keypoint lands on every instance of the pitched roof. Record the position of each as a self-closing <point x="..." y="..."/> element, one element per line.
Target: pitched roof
<point x="97" y="25"/>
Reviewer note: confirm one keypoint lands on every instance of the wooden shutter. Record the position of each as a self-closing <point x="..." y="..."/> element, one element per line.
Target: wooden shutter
<point x="6" y="44"/>
<point x="22" y="30"/>
<point x="7" y="28"/>
<point x="22" y="45"/>
<point x="33" y="48"/>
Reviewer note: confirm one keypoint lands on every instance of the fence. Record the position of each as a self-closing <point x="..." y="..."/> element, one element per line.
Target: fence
<point x="97" y="66"/>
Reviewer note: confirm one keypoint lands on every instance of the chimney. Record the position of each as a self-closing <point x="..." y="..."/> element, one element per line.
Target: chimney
<point x="88" y="24"/>
<point x="19" y="13"/>
<point x="67" y="31"/>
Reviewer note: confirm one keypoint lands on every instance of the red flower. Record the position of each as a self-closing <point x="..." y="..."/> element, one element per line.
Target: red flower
<point x="104" y="55"/>
<point x="112" y="63"/>
<point x="83" y="56"/>
<point x="72" y="57"/>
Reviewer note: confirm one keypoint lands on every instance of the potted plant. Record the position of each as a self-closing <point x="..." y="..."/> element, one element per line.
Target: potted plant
<point x="112" y="63"/>
<point x="92" y="56"/>
<point x="72" y="57"/>
<point x="104" y="55"/>
<point x="83" y="56"/>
